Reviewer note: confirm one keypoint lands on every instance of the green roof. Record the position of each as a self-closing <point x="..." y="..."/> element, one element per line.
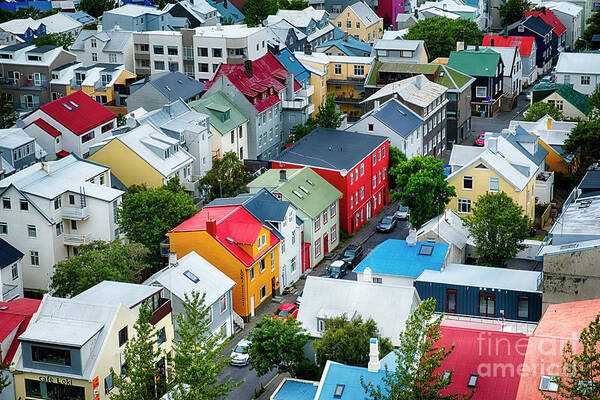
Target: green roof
<point x="475" y="63"/>
<point x="566" y="91"/>
<point x="451" y="78"/>
<point x="216" y="106"/>
<point x="321" y="194"/>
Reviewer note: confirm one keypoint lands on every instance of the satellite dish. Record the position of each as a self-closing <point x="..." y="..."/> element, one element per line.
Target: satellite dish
<point x="344" y="172"/>
<point x="131" y="123"/>
<point x="20" y="124"/>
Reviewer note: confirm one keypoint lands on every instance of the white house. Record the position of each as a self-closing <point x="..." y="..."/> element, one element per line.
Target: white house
<point x="448" y="228"/>
<point x="11" y="271"/>
<point x="193" y="273"/>
<point x="70" y="124"/>
<point x="113" y="47"/>
<point x="582" y="70"/>
<point x="51" y="208"/>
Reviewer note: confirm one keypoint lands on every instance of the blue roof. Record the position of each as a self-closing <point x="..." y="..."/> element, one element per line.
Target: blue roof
<point x="173" y="85"/>
<point x="227" y="11"/>
<point x="352" y="47"/>
<point x="398" y="117"/>
<point x="395" y="257"/>
<point x="291" y="63"/>
<point x="296" y="390"/>
<point x="82" y="17"/>
<point x="15" y="5"/>
<point x="537" y="25"/>
<point x="147" y="3"/>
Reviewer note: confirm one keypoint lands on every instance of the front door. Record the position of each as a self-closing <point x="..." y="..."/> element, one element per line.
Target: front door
<point x="326" y="243"/>
<point x="252" y="306"/>
<point x="368" y="210"/>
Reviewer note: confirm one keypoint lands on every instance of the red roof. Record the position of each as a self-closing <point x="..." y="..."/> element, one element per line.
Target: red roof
<point x="17" y="314"/>
<point x="235" y="226"/>
<point x="524" y="43"/>
<point x="559" y="324"/>
<point x="78" y="112"/>
<point x="479" y="352"/>
<point x="62" y="153"/>
<point x="548" y="17"/>
<point x="46" y="127"/>
<point x="267" y="73"/>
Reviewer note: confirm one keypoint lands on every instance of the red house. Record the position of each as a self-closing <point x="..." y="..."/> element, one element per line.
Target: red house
<point x="355" y="164"/>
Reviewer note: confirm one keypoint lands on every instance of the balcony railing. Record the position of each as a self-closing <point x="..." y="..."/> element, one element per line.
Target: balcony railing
<point x="348" y="98"/>
<point x="352" y="80"/>
<point x="306" y="92"/>
<point x="71" y="239"/>
<point x="163" y="309"/>
<point x="9" y="292"/>
<point x="75" y="212"/>
<point x="296" y="104"/>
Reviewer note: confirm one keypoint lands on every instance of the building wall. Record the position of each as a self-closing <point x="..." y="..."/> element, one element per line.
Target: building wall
<point x="554" y="161"/>
<point x="347" y="86"/>
<point x="85" y="56"/>
<point x="454" y="255"/>
<point x="360" y="31"/>
<point x="289" y="251"/>
<point x="6" y="278"/>
<point x="147" y="97"/>
<point x="411" y="146"/>
<point x="221" y="141"/>
<point x="567" y="108"/>
<point x="576" y="81"/>
<point x="387" y="279"/>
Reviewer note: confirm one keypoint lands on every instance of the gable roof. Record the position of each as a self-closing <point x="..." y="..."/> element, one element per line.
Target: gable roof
<point x="81" y="16"/>
<point x="8" y="254"/>
<point x="173" y="85"/>
<point x="78" y="112"/>
<point x="537" y="25"/>
<point x="115" y="293"/>
<point x="417" y="90"/>
<point x="215" y="106"/>
<point x="134" y="10"/>
<point x="57" y="23"/>
<point x="227" y="9"/>
<point x="331" y="149"/>
<point x="548" y="17"/>
<point x="521" y="137"/>
<point x="395" y="257"/>
<point x="578" y="63"/>
<point x="566" y="91"/>
<point x="15" y="314"/>
<point x="298" y="18"/>
<point x="396" y="116"/>
<point x="449" y="226"/>
<point x="293" y="65"/>
<point x="524" y="43"/>
<point x="116" y="41"/>
<point x="475" y="63"/>
<point x="349" y="46"/>
<point x="364" y="13"/>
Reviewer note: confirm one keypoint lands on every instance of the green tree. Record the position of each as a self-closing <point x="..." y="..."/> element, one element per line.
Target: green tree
<point x="441" y="34"/>
<point x="347" y="341"/>
<point x="422" y="187"/>
<point x="277" y="344"/>
<point x="594" y="98"/>
<point x="582" y="370"/>
<point x="146" y="214"/>
<point x="8" y="116"/>
<point x="227" y="178"/>
<point x="593" y="28"/>
<point x="4" y="380"/>
<point x="256" y="11"/>
<point x="96" y="262"/>
<point x="498" y="227"/>
<point x="198" y="358"/>
<point x="55" y="39"/>
<point x="513" y="10"/>
<point x="97" y="7"/>
<point x="31" y="12"/>
<point x="396" y="157"/>
<point x="293" y="4"/>
<point x="539" y="110"/>
<point x="414" y="376"/>
<point x="327" y="116"/>
<point x="140" y="355"/>
<point x="583" y="143"/>
<point x="228" y="21"/>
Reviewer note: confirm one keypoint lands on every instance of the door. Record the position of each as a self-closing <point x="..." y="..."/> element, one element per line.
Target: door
<point x="369" y="210"/>
<point x="252" y="306"/>
<point x="487" y="305"/>
<point x="326" y="243"/>
<point x="451" y="301"/>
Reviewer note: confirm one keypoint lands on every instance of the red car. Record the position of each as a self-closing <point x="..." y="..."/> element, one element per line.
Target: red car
<point x="285" y="311"/>
<point x="480" y="141"/>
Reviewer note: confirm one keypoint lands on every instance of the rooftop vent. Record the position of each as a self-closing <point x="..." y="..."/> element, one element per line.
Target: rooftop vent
<point x="74" y="104"/>
<point x="339" y="391"/>
<point x="473" y="380"/>
<point x="190" y="275"/>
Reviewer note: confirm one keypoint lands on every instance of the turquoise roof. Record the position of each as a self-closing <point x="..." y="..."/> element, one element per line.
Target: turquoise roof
<point x="291" y="63"/>
<point x="352" y="47"/>
<point x="296" y="390"/>
<point x="229" y="11"/>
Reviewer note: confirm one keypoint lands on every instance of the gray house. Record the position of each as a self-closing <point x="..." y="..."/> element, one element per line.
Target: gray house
<point x="136" y="18"/>
<point x="193" y="273"/>
<point x="283" y="34"/>
<point x="156" y="90"/>
<point x="313" y="23"/>
<point x="18" y="150"/>
<point x="335" y="7"/>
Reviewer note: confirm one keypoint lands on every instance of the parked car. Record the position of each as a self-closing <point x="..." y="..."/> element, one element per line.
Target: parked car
<point x="285" y="311"/>
<point x="239" y="354"/>
<point x="402" y="213"/>
<point x="480" y="141"/>
<point x="386" y="224"/>
<point x="352" y="255"/>
<point x="337" y="269"/>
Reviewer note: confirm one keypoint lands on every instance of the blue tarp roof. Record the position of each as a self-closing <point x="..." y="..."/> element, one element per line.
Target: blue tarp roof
<point x="229" y="11"/>
<point x="37" y="4"/>
<point x="82" y="17"/>
<point x="395" y="257"/>
<point x="291" y="63"/>
<point x="295" y="390"/>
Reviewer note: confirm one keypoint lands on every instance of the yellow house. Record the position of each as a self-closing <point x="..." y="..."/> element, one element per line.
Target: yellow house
<point x="360" y="21"/>
<point x="71" y="345"/>
<point x="498" y="167"/>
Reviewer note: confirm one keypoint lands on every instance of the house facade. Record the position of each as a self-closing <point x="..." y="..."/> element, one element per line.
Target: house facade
<point x="18" y="150"/>
<point x="527" y="51"/>
<point x="140" y="18"/>
<point x="197" y="12"/>
<point x="542" y="33"/>
<point x="338" y="156"/>
<point x="582" y="70"/>
<point x="11" y="273"/>
<point x="448" y="228"/>
<point x="559" y="31"/>
<point x="360" y="21"/>
<point x="51" y="208"/>
<point x="313" y="23"/>
<point x="398" y="50"/>
<point x="569" y="101"/>
<point x="104" y="46"/>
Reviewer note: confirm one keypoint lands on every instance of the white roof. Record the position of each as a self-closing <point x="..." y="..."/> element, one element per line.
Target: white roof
<point x="580" y="218"/>
<point x="211" y="281"/>
<point x="462" y="155"/>
<point x="57" y="23"/>
<point x="320" y="32"/>
<point x="365" y="13"/>
<point x="392" y="35"/>
<point x="61" y="331"/>
<point x="578" y="63"/>
<point x="19" y="26"/>
<point x="562" y="6"/>
<point x="555" y="137"/>
<point x="451" y="5"/>
<point x="20" y="56"/>
<point x="115" y="293"/>
<point x="12" y="138"/>
<point x="142" y="139"/>
<point x="484" y="277"/>
<point x="438" y="12"/>
<point x="68" y="174"/>
<point x="226" y="31"/>
<point x="417" y="90"/>
<point x="388" y="305"/>
<point x="449" y="226"/>
<point x="134" y="10"/>
<point x="568" y="247"/>
<point x="298" y="18"/>
<point x="322" y="58"/>
<point x="397" y="44"/>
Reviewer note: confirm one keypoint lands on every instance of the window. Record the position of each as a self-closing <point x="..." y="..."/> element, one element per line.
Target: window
<point x="559" y="104"/>
<point x="112" y="58"/>
<point x="487" y="305"/>
<point x="108" y="383"/>
<point x="217" y="52"/>
<point x="362" y="192"/>
<point x="359" y="70"/>
<point x="481" y="91"/>
<point x="317" y="222"/>
<point x="333" y="234"/>
<point x="317" y="247"/>
<point x="160" y="65"/>
<point x="6" y="203"/>
<point x="358" y="25"/>
<point x="158" y="49"/>
<point x="24" y="205"/>
<point x="87" y="137"/>
<point x="172" y="51"/>
<point x="374" y="181"/>
<point x="107" y="127"/>
<point x="51" y="356"/>
<point x="3" y="228"/>
<point x="262" y="265"/>
<point x="59" y="229"/>
<point x="451" y="301"/>
<point x="293" y="265"/>
<point x="320" y="325"/>
<point x="467" y="182"/>
<point x="472" y="380"/>
<point x="15" y="271"/>
<point x="123" y="336"/>
<point x="161" y="336"/>
<point x="494" y="184"/>
<point x="447" y="375"/>
<point x="337" y="69"/>
<point x="332" y="210"/>
<point x="585" y="79"/>
<point x="94" y="56"/>
<point x="223" y="304"/>
<point x="348" y="24"/>
<point x="339" y="390"/>
<point x="523" y="307"/>
<point x="34" y="257"/>
<point x="362" y="169"/>
<point x="31" y="231"/>
<point x="33" y="388"/>
<point x="273" y="257"/>
<point x="464" y="206"/>
<point x="251" y="273"/>
<point x="549" y="383"/>
<point x="263" y="292"/>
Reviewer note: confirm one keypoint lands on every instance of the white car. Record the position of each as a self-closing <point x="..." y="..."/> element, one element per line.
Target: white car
<point x="402" y="213"/>
<point x="239" y="354"/>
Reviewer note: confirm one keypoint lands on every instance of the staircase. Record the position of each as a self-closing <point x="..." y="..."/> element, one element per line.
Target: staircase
<point x="238" y="323"/>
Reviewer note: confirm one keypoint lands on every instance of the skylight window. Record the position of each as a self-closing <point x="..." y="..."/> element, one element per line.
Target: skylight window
<point x="74" y="104"/>
<point x="473" y="380"/>
<point x="426" y="250"/>
<point x="446" y="376"/>
<point x="339" y="390"/>
<point x="190" y="275"/>
<point x="310" y="182"/>
<point x="297" y="194"/>
<point x="569" y="246"/>
<point x="68" y="107"/>
<point x="305" y="190"/>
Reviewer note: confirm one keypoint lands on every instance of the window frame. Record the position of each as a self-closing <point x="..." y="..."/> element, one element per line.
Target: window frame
<point x="519" y="300"/>
<point x="465" y="179"/>
<point x="450" y="292"/>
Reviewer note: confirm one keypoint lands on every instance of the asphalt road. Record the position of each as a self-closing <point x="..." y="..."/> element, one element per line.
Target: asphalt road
<point x="252" y="382"/>
<point x="499" y="121"/>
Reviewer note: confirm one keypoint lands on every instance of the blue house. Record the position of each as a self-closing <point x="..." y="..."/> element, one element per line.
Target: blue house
<point x="228" y="11"/>
<point x="138" y="18"/>
<point x="542" y="33"/>
<point x="13" y="6"/>
<point x="483" y="291"/>
<point x="291" y="63"/>
<point x="399" y="262"/>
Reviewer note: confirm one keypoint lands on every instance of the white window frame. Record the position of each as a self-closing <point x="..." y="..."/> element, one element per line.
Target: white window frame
<point x="477" y="90"/>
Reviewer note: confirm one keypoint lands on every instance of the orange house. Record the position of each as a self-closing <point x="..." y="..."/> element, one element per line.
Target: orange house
<point x="238" y="245"/>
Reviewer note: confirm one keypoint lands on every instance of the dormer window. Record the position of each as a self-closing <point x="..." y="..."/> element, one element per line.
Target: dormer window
<point x="34" y="57"/>
<point x="339" y="391"/>
<point x="226" y="115"/>
<point x="49" y="355"/>
<point x="175" y="148"/>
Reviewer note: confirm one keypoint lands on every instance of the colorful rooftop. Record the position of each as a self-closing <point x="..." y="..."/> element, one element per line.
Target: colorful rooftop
<point x="524" y="43"/>
<point x="483" y="62"/>
<point x="15" y="314"/>
<point x="548" y="17"/>
<point x="443" y="75"/>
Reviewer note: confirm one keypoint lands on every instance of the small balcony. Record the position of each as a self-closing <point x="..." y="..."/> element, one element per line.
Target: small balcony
<point x="163" y="309"/>
<point x="33" y="84"/>
<point x="306" y="92"/>
<point x="78" y="213"/>
<point x="296" y="104"/>
<point x="10" y="292"/>
<point x="349" y="98"/>
<point x="71" y="239"/>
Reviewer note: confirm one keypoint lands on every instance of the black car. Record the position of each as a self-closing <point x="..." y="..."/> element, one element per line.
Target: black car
<point x="352" y="255"/>
<point x="387" y="224"/>
<point x="337" y="269"/>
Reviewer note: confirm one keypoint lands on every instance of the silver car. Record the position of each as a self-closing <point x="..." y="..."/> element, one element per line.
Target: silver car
<point x="402" y="213"/>
<point x="239" y="354"/>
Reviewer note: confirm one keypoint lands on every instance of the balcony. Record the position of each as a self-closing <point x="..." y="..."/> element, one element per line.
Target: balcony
<point x="163" y="309"/>
<point x="349" y="98"/>
<point x="349" y="80"/>
<point x="71" y="239"/>
<point x="77" y="213"/>
<point x="306" y="92"/>
<point x="33" y="85"/>
<point x="296" y="104"/>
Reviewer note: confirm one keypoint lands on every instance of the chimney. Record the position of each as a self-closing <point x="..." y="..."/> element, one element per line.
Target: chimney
<point x="289" y="87"/>
<point x="308" y="49"/>
<point x="477" y="47"/>
<point x="492" y="42"/>
<point x="445" y="7"/>
<point x="367" y="275"/>
<point x="282" y="175"/>
<point x="46" y="167"/>
<point x="374" y="364"/>
<point x="172" y="259"/>
<point x="99" y="28"/>
<point x="345" y="37"/>
<point x="492" y="143"/>
<point x="248" y="68"/>
<point x="116" y="28"/>
<point x="225" y="3"/>
<point x="211" y="227"/>
<point x="411" y="239"/>
<point x="376" y="105"/>
<point x="549" y="123"/>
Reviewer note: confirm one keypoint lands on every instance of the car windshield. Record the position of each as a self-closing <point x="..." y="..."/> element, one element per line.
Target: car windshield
<point x="241" y="349"/>
<point x="349" y="253"/>
<point x="403" y="209"/>
<point x="386" y="220"/>
<point x="481" y="135"/>
<point x="282" y="313"/>
<point x="335" y="269"/>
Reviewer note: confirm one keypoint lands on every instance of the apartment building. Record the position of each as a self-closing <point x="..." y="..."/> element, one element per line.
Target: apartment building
<point x="311" y="22"/>
<point x="26" y="71"/>
<point x="106" y="47"/>
<point x="51" y="208"/>
<point x="138" y="18"/>
<point x="18" y="150"/>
